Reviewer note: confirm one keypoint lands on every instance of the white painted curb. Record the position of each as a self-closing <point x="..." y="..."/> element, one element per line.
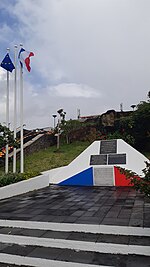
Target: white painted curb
<point x="76" y="245"/>
<point x="38" y="262"/>
<point x="85" y="228"/>
<point x="25" y="186"/>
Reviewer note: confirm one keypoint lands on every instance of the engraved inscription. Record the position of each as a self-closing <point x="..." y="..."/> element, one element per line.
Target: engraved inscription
<point x="117" y="159"/>
<point x="98" y="160"/>
<point x="108" y="147"/>
<point x="103" y="176"/>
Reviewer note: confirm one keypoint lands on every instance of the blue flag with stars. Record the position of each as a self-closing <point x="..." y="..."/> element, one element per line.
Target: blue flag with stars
<point x="7" y="63"/>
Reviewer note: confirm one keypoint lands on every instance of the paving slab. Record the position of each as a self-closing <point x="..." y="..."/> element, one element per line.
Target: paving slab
<point x="81" y="257"/>
<point x="108" y="206"/>
<point x="94" y="205"/>
<point x="81" y="236"/>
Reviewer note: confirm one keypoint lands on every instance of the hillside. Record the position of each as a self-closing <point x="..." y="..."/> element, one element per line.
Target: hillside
<point x="49" y="158"/>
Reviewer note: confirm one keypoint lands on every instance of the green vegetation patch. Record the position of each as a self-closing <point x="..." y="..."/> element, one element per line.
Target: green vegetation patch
<point x="11" y="178"/>
<point x="43" y="160"/>
<point x="51" y="158"/>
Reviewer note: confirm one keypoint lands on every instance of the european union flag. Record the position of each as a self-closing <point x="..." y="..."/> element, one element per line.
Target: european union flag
<point x="7" y="63"/>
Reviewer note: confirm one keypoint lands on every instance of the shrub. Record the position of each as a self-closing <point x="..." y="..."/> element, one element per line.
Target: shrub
<point x="11" y="178"/>
<point x="125" y="136"/>
<point x="139" y="184"/>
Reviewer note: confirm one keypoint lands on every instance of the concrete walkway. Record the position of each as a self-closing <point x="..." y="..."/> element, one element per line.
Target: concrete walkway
<point x="75" y="227"/>
<point x="101" y="205"/>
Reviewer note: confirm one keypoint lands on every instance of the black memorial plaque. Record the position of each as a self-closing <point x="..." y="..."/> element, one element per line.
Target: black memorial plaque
<point x="116" y="159"/>
<point x="98" y="160"/>
<point x="108" y="147"/>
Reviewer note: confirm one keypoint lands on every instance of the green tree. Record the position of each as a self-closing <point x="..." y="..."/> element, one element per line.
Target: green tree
<point x="6" y="137"/>
<point x="135" y="129"/>
<point x="133" y="107"/>
<point x="68" y="127"/>
<point x="62" y="115"/>
<point x="141" y="129"/>
<point x="123" y="130"/>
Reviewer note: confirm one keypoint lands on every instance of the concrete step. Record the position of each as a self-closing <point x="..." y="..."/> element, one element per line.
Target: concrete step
<point x="48" y="244"/>
<point x="87" y="237"/>
<point x="43" y="256"/>
<point x="100" y="247"/>
<point x="15" y="260"/>
<point x="80" y="228"/>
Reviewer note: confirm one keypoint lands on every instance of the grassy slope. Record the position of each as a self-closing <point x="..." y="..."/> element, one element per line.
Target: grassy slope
<point x="48" y="158"/>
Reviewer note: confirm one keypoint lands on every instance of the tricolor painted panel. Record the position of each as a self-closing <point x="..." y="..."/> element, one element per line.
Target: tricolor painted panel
<point x="120" y="178"/>
<point x="84" y="178"/>
<point x="97" y="165"/>
<point x="103" y="176"/>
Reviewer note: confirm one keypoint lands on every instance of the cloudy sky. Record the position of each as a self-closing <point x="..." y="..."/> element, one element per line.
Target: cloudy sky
<point x="90" y="55"/>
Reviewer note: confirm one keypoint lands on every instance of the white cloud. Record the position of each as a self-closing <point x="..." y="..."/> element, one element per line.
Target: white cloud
<point x="2" y="75"/>
<point x="89" y="54"/>
<point x="75" y="90"/>
<point x="3" y="86"/>
<point x="5" y="32"/>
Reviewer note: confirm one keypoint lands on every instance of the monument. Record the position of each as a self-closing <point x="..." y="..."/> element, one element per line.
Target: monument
<point x="98" y="165"/>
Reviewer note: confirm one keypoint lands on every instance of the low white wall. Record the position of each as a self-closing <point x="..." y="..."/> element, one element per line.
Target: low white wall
<point x="25" y="186"/>
<point x="53" y="173"/>
<point x="135" y="160"/>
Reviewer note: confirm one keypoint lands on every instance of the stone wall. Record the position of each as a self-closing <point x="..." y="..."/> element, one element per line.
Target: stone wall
<point x="45" y="141"/>
<point x="108" y="118"/>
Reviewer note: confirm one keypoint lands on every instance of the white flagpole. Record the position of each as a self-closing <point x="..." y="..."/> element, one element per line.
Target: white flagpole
<point x="21" y="119"/>
<point x="58" y="135"/>
<point x="7" y="117"/>
<point x="15" y="105"/>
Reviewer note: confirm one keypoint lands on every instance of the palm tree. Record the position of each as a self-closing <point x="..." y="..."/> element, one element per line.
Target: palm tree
<point x="54" y="116"/>
<point x="133" y="106"/>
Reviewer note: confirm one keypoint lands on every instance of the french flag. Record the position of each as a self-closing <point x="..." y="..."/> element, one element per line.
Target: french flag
<point x="24" y="57"/>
